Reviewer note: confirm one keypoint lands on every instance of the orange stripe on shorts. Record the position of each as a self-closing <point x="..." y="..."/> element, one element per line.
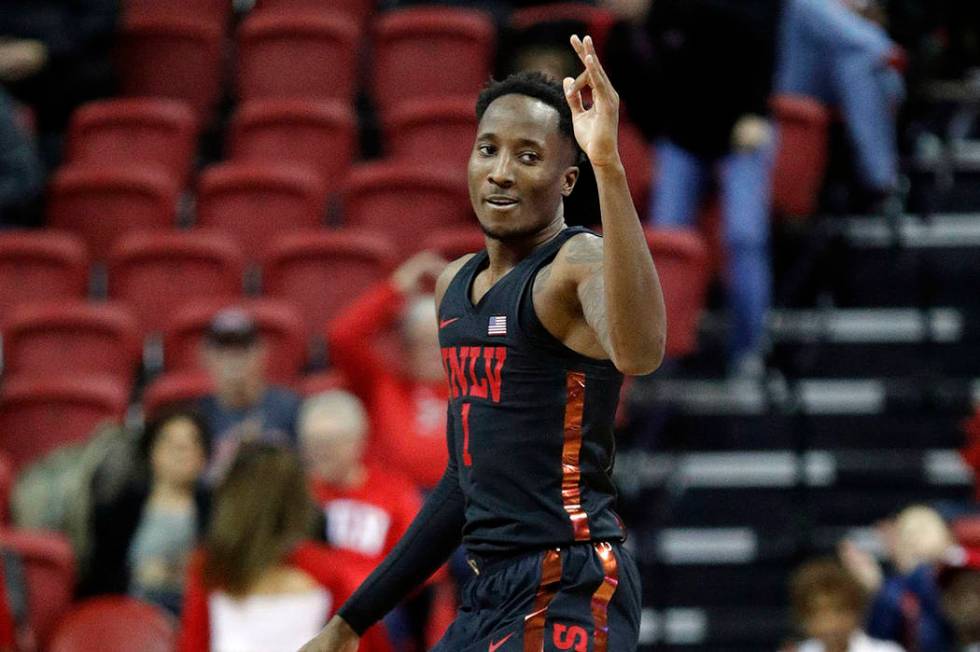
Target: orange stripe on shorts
<point x="604" y="595"/>
<point x="548" y="587"/>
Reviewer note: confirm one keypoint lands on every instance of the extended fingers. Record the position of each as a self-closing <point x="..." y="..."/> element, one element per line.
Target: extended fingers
<point x="573" y="95"/>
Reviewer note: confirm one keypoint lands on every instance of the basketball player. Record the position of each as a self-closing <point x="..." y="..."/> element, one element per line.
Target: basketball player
<point x="536" y="332"/>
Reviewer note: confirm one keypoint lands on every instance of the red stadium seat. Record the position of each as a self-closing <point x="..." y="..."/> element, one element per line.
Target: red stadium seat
<point x="246" y="199"/>
<point x="409" y="41"/>
<point x="359" y="10"/>
<point x="320" y="134"/>
<point x="801" y="154"/>
<point x="321" y="272"/>
<point x="154" y="273"/>
<point x="404" y="200"/>
<point x="636" y="154"/>
<point x="101" y="204"/>
<point x="146" y="131"/>
<point x="454" y="242"/>
<point x="114" y="624"/>
<point x="682" y="263"/>
<point x="38" y="415"/>
<point x="216" y="12"/>
<point x="298" y="54"/>
<point x="280" y="324"/>
<point x="174" y="388"/>
<point x="172" y="55"/>
<point x="41" y="264"/>
<point x="435" y="132"/>
<point x="46" y="338"/>
<point x="49" y="566"/>
<point x="7" y="479"/>
<point x="595" y="21"/>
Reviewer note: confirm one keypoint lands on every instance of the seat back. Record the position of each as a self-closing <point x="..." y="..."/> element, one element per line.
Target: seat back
<point x="101" y="204"/>
<point x="89" y="339"/>
<point x="176" y="56"/>
<point x="246" y="200"/>
<point x="34" y="264"/>
<point x="38" y="415"/>
<point x="142" y="131"/>
<point x="154" y="273"/>
<point x="321" y="272"/>
<point x="408" y="41"/>
<point x="318" y="134"/>
<point x="49" y="565"/>
<point x="682" y="265"/>
<point x="114" y="624"/>
<point x="297" y="54"/>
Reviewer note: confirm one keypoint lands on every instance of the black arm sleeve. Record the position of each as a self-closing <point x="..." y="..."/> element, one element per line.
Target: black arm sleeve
<point x="431" y="538"/>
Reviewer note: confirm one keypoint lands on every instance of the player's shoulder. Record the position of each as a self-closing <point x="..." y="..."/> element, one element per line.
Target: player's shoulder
<point x="448" y="274"/>
<point x="578" y="255"/>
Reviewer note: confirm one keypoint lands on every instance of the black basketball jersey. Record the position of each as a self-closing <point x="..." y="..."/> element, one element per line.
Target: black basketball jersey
<point x="530" y="421"/>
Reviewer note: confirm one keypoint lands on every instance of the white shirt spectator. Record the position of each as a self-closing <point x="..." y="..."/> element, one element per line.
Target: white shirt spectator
<point x="860" y="642"/>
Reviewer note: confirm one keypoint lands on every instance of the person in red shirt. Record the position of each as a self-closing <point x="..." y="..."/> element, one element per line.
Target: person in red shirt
<point x="406" y="398"/>
<point x="259" y="583"/>
<point x="367" y="509"/>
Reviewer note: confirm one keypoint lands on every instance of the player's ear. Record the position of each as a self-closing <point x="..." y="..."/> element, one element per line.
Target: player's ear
<point x="568" y="179"/>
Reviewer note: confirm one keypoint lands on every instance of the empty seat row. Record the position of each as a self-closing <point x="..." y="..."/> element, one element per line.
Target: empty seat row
<point x="307" y="52"/>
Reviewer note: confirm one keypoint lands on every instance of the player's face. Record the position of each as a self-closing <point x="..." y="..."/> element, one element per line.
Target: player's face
<point x="519" y="168"/>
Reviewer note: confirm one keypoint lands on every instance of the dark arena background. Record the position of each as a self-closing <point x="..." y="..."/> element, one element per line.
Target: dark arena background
<point x="220" y="224"/>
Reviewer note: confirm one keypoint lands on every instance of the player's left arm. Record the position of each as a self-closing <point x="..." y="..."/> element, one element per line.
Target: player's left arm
<point x="616" y="281"/>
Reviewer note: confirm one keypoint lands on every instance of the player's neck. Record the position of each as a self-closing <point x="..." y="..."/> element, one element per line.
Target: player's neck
<point x="504" y="255"/>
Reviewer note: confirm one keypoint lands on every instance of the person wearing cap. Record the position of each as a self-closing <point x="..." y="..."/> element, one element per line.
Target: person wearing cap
<point x="243" y="406"/>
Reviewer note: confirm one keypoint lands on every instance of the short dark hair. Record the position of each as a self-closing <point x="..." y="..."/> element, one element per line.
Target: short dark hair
<point x="825" y="577"/>
<point x="539" y="86"/>
<point x="167" y="414"/>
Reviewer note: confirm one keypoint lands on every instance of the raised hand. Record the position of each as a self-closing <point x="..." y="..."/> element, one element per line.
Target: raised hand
<point x="596" y="128"/>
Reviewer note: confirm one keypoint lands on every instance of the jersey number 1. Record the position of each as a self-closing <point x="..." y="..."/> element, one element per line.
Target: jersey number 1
<point x="465" y="413"/>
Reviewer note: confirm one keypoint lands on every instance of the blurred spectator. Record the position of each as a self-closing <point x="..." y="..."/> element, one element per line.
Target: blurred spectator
<point x="835" y="55"/>
<point x="244" y="407"/>
<point x="259" y="584"/>
<point x="706" y="99"/>
<point x="960" y="583"/>
<point x="143" y="536"/>
<point x="54" y="56"/>
<point x="906" y="606"/>
<point x="829" y="606"/>
<point x="15" y="631"/>
<point x="21" y="173"/>
<point x="367" y="508"/>
<point x="406" y="396"/>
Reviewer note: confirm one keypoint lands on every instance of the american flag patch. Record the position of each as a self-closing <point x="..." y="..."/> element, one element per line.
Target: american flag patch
<point x="498" y="325"/>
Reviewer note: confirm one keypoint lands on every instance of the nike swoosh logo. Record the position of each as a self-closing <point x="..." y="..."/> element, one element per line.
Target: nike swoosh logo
<point x="446" y="322"/>
<point x="494" y="646"/>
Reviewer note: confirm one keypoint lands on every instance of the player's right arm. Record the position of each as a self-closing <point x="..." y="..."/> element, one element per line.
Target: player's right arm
<point x="428" y="543"/>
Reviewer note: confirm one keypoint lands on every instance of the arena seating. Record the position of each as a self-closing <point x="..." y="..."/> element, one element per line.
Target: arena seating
<point x="140" y="131"/>
<point x="175" y="55"/>
<point x="319" y="133"/>
<point x="359" y="10"/>
<point x="46" y="338"/>
<point x="40" y="414"/>
<point x="114" y="624"/>
<point x="50" y="569"/>
<point x="101" y="204"/>
<point x="404" y="201"/>
<point x="280" y="324"/>
<point x="155" y="272"/>
<point x="297" y="54"/>
<point x="322" y="271"/>
<point x="246" y="200"/>
<point x="408" y="41"/>
<point x="49" y="264"/>
<point x="175" y="388"/>
<point x="215" y="12"/>
<point x="433" y="132"/>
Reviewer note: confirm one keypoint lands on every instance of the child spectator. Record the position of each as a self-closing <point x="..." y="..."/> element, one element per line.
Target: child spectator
<point x="829" y="606"/>
<point x="406" y="398"/>
<point x="244" y="407"/>
<point x="142" y="536"/>
<point x="259" y="584"/>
